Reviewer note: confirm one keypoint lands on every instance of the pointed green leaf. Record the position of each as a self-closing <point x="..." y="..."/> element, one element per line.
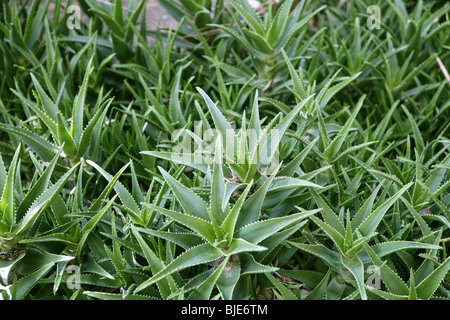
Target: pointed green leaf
<point x="192" y="204"/>
<point x="328" y="214"/>
<point x="69" y="148"/>
<point x="356" y="267"/>
<point x="79" y="104"/>
<point x="335" y="145"/>
<point x="202" y="227"/>
<point x="7" y="208"/>
<point x="370" y="224"/>
<point x="198" y="255"/>
<point x="42" y="202"/>
<point x="427" y="287"/>
<point x="229" y="224"/>
<point x="124" y="195"/>
<point x="390" y="278"/>
<point x="203" y="292"/>
<point x="258" y="231"/>
<point x="156" y="265"/>
<point x="87" y="229"/>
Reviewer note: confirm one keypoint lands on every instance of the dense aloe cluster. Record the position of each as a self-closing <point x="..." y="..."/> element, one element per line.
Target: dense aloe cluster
<point x="118" y="180"/>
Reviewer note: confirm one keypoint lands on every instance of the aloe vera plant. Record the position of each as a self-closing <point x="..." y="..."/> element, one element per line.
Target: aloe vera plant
<point x="248" y="152"/>
<point x="17" y="218"/>
<point x="228" y="233"/>
<point x="265" y="38"/>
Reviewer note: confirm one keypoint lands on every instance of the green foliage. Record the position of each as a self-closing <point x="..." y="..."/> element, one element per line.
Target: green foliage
<point x="280" y="152"/>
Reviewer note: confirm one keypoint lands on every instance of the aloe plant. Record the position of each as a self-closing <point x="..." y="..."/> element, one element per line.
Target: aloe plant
<point x="17" y="218"/>
<point x="75" y="139"/>
<point x="228" y="234"/>
<point x="248" y="152"/>
<point x="264" y="39"/>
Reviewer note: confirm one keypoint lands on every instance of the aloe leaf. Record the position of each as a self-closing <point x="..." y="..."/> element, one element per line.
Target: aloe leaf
<point x="250" y="266"/>
<point x="202" y="227"/>
<point x="7" y="208"/>
<point x="295" y="163"/>
<point x="259" y="41"/>
<point x="183" y="239"/>
<point x="221" y="123"/>
<point x="334" y="235"/>
<point x="6" y="267"/>
<point x="327" y="213"/>
<point x="254" y="124"/>
<point x="385" y="248"/>
<point x="41" y="203"/>
<point x="370" y="224"/>
<point x="320" y="290"/>
<point x="412" y="287"/>
<point x="26" y="284"/>
<point x="218" y="186"/>
<point x="278" y="24"/>
<point x="60" y="268"/>
<point x="192" y="203"/>
<point x="124" y="195"/>
<point x="39" y="145"/>
<point x="203" y="292"/>
<point x="79" y="105"/>
<point x="240" y="245"/>
<point x="335" y="145"/>
<point x="96" y="205"/>
<point x="365" y="210"/>
<point x="69" y="147"/>
<point x="429" y="285"/>
<point x="117" y="296"/>
<point x="166" y="285"/>
<point x="87" y="229"/>
<point x="49" y="106"/>
<point x="286" y="293"/>
<point x="417" y="135"/>
<point x="329" y="93"/>
<point x="86" y="135"/>
<point x="198" y="255"/>
<point x="190" y="160"/>
<point x="275" y="242"/>
<point x="297" y="82"/>
<point x="251" y="208"/>
<point x="356" y="267"/>
<point x="274" y="137"/>
<point x="91" y="266"/>
<point x="293" y="29"/>
<point x="390" y="278"/>
<point x="387" y="295"/>
<point x="434" y="180"/>
<point x="428" y="265"/>
<point x="249" y="15"/>
<point x="331" y="257"/>
<point x="226" y="283"/>
<point x="288" y="183"/>
<point x="229" y="224"/>
<point x="55" y="237"/>
<point x="260" y="230"/>
<point x="420" y="221"/>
